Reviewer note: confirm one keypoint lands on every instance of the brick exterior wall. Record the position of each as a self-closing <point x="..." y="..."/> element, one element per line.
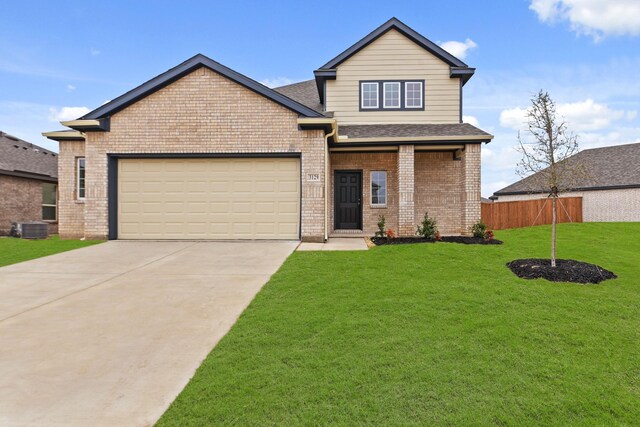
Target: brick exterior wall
<point x="70" y="210"/>
<point x="367" y="162"/>
<point x="437" y="188"/>
<point x="438" y="181"/>
<point x="21" y="201"/>
<point x="202" y="112"/>
<point x="471" y="187"/>
<point x="406" y="188"/>
<point x="600" y="205"/>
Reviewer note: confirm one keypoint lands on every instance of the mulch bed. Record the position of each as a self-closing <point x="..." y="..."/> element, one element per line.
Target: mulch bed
<point x="566" y="270"/>
<point x="379" y="241"/>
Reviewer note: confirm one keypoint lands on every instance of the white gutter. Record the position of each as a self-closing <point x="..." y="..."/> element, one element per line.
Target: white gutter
<point x="63" y="134"/>
<point x="333" y="132"/>
<point x="72" y="123"/>
<point x="319" y="121"/>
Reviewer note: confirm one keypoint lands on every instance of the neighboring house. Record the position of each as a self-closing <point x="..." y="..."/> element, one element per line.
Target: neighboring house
<point x="203" y="152"/>
<point x="609" y="184"/>
<point x="28" y="183"/>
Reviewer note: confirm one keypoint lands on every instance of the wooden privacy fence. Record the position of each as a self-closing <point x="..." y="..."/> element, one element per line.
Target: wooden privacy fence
<point x="525" y="213"/>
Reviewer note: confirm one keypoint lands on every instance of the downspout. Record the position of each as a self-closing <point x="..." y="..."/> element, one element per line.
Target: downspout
<point x="333" y="132"/>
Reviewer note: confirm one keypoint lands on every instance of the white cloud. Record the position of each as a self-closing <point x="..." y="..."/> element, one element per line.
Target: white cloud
<point x="27" y="121"/>
<point x="471" y="120"/>
<point x="71" y="88"/>
<point x="459" y="49"/>
<point x="66" y="113"/>
<point x="586" y="115"/>
<point x="618" y="136"/>
<point x="514" y="118"/>
<point x="631" y="115"/>
<point x="94" y="52"/>
<point x="595" y="18"/>
<point x="276" y="82"/>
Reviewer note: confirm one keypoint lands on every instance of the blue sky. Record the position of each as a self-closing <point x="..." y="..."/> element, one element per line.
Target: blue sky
<point x="58" y="59"/>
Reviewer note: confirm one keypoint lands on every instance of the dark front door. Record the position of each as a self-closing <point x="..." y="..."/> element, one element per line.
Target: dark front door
<point x="348" y="200"/>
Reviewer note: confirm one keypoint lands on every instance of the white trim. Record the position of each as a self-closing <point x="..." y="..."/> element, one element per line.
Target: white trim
<point x="384" y="95"/>
<point x="406" y="85"/>
<point x="87" y="122"/>
<point x="377" y="98"/>
<point x="78" y="178"/>
<point x="378" y="205"/>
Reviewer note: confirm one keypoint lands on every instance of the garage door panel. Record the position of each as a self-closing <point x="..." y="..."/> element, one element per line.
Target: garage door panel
<point x="208" y="198"/>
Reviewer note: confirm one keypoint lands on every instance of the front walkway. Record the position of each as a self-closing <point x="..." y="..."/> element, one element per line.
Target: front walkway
<point x="336" y="244"/>
<point x="110" y="334"/>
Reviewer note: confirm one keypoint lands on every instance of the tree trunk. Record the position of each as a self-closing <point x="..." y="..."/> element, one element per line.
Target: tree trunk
<point x="553" y="231"/>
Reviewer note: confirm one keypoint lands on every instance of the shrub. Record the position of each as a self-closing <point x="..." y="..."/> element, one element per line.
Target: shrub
<point x="438" y="237"/>
<point x="488" y="235"/>
<point x="391" y="234"/>
<point x="428" y="228"/>
<point x="479" y="229"/>
<point x="381" y="229"/>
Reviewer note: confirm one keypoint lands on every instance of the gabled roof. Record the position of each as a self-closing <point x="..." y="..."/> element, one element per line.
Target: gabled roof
<point x="395" y="23"/>
<point x="303" y="92"/>
<point x="185" y="68"/>
<point x="458" y="69"/>
<point x="23" y="159"/>
<point x="604" y="168"/>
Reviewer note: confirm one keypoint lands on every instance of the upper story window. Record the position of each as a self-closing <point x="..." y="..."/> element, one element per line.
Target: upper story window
<point x="413" y="94"/>
<point x="397" y="95"/>
<point x="391" y="94"/>
<point x="80" y="172"/>
<point x="369" y="95"/>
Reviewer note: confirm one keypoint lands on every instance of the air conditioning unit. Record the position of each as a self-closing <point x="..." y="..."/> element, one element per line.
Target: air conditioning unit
<point x="34" y="230"/>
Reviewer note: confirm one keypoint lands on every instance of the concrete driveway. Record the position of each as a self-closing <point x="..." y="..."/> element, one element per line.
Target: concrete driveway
<point x="110" y="334"/>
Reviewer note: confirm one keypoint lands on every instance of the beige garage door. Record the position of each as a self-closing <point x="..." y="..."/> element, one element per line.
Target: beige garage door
<point x="208" y="198"/>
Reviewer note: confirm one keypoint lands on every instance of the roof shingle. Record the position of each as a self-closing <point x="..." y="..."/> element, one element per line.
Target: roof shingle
<point x="616" y="166"/>
<point x="20" y="156"/>
<point x="305" y="93"/>
<point x="411" y="130"/>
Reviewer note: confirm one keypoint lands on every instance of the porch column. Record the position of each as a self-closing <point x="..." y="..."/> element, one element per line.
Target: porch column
<point x="406" y="205"/>
<point x="470" y="187"/>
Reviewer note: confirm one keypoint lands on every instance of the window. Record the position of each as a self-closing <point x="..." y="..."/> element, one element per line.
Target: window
<point x="49" y="197"/>
<point x="378" y="188"/>
<point x="391" y="95"/>
<point x="80" y="172"/>
<point x="413" y="95"/>
<point x="369" y="95"/>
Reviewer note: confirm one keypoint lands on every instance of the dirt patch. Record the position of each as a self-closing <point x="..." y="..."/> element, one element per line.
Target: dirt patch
<point x="566" y="270"/>
<point x="466" y="240"/>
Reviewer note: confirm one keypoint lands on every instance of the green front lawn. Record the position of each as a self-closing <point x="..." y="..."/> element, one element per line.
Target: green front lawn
<point x="14" y="250"/>
<point x="432" y="334"/>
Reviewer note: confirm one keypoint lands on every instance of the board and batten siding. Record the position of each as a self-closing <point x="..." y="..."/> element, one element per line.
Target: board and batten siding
<point x="394" y="57"/>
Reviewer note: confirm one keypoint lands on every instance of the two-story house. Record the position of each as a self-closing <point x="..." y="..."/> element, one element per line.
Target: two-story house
<point x="204" y="152"/>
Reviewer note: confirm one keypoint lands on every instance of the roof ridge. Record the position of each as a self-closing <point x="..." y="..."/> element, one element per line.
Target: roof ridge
<point x="394" y="23"/>
<point x="293" y="84"/>
<point x="199" y="60"/>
